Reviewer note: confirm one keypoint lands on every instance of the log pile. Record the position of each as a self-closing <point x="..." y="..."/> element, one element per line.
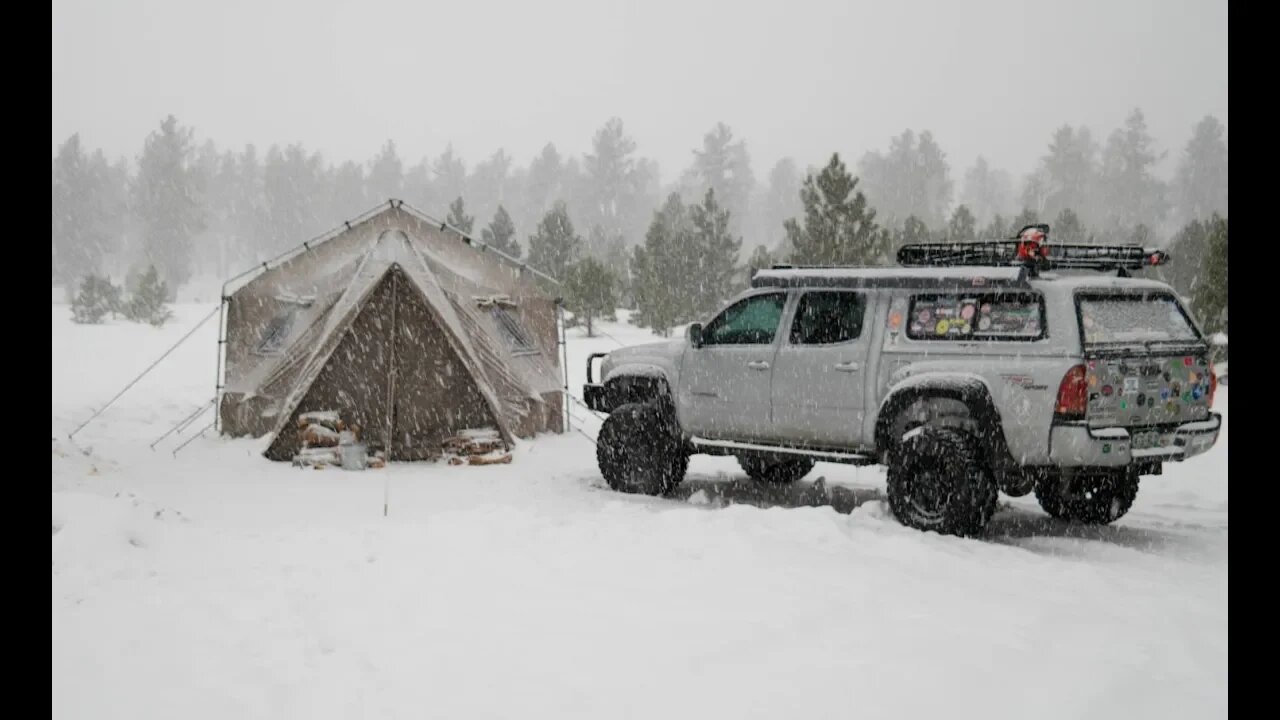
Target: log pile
<point x="483" y="446"/>
<point x="323" y="436"/>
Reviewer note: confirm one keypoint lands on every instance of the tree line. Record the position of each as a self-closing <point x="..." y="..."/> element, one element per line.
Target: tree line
<point x="672" y="253"/>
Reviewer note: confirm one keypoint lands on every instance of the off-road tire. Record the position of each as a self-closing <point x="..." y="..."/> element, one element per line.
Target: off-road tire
<point x="639" y="450"/>
<point x="1095" y="496"/>
<point x="775" y="472"/>
<point x="937" y="480"/>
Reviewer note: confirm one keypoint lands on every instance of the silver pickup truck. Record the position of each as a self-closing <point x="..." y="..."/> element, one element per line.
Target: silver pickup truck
<point x="1012" y="366"/>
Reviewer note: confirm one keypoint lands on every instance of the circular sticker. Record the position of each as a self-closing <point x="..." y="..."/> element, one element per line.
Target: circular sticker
<point x="984" y="324"/>
<point x="966" y="312"/>
<point x="924" y="316"/>
<point x="986" y="307"/>
<point x="943" y="327"/>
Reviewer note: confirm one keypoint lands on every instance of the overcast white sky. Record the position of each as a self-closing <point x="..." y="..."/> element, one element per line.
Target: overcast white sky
<point x="798" y="78"/>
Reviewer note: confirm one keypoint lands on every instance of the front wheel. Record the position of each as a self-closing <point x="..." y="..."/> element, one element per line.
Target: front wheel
<point x="938" y="481"/>
<point x="639" y="450"/>
<point x="776" y="472"/>
<point x="1094" y="496"/>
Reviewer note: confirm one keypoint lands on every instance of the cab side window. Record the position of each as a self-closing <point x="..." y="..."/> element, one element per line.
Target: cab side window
<point x="750" y="321"/>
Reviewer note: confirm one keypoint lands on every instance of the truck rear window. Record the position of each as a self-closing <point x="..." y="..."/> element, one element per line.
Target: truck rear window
<point x="1134" y="317"/>
<point x="977" y="316"/>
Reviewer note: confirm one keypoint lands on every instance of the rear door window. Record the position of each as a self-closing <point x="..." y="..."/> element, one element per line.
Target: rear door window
<point x="827" y="318"/>
<point x="977" y="316"/>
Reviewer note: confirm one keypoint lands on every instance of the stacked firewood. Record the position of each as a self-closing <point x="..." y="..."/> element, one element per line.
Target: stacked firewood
<point x="324" y="435"/>
<point x="482" y="446"/>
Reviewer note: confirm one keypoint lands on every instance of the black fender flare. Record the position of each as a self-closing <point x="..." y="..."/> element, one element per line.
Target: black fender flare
<point x="970" y="391"/>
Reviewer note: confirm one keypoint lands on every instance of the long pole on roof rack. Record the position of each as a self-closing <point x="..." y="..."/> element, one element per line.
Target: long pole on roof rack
<point x="143" y="374"/>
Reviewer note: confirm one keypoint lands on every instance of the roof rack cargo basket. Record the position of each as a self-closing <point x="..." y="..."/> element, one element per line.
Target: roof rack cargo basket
<point x="1032" y="249"/>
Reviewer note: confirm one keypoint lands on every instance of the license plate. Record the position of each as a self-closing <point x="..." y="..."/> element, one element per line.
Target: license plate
<point x="1142" y="441"/>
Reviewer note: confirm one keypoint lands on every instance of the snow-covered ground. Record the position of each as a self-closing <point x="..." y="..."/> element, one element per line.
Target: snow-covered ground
<point x="218" y="584"/>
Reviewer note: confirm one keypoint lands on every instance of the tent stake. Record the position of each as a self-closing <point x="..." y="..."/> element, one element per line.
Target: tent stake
<point x="192" y="438"/>
<point x="182" y="424"/>
<point x="144" y="372"/>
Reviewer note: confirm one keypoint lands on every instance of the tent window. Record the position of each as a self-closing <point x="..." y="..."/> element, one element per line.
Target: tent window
<point x="517" y="339"/>
<point x="277" y="332"/>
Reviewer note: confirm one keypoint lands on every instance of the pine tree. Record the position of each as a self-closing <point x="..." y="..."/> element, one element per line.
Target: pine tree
<point x="962" y="227"/>
<point x="148" y="301"/>
<point x="1070" y="172"/>
<point x="1023" y="219"/>
<point x="724" y="165"/>
<point x="167" y="197"/>
<point x="664" y="270"/>
<point x="717" y="252"/>
<point x="292" y="180"/>
<point x="501" y="234"/>
<point x="987" y="192"/>
<point x="912" y="178"/>
<point x="82" y="210"/>
<point x="450" y="174"/>
<point x="997" y="229"/>
<point x="915" y="231"/>
<point x="839" y="228"/>
<point x="761" y="259"/>
<point x="1134" y="195"/>
<point x="1210" y="298"/>
<point x="1067" y="228"/>
<point x="555" y="246"/>
<point x="458" y="216"/>
<point x="97" y="297"/>
<point x="386" y="175"/>
<point x="590" y="292"/>
<point x="1189" y="250"/>
<point x="1200" y="186"/>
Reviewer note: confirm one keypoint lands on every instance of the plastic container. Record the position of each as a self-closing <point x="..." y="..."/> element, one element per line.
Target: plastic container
<point x="355" y="457"/>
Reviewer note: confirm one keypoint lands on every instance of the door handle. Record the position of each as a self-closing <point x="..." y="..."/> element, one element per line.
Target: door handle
<point x="758" y="365"/>
<point x="847" y="367"/>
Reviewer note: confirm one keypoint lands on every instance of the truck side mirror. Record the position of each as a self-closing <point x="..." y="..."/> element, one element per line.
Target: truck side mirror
<point x="694" y="334"/>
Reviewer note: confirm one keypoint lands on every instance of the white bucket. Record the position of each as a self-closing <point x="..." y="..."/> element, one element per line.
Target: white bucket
<point x="354" y="457"/>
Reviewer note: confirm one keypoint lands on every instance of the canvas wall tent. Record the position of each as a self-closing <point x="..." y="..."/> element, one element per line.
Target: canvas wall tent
<point x="405" y="327"/>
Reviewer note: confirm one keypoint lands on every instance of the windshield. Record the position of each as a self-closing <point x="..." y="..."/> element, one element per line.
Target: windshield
<point x="1144" y="318"/>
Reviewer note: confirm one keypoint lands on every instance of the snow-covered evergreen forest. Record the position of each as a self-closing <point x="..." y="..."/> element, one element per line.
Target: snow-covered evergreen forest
<point x="671" y="244"/>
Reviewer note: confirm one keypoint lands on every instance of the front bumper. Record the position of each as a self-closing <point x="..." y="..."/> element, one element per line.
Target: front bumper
<point x="597" y="397"/>
<point x="1078" y="445"/>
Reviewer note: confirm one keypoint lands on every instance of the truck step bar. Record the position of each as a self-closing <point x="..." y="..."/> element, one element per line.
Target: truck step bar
<point x="732" y="447"/>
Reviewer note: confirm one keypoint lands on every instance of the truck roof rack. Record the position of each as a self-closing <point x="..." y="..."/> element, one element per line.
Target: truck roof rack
<point x="1031" y="248"/>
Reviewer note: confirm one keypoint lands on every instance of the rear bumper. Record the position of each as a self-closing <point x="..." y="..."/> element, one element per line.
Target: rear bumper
<point x="1078" y="445"/>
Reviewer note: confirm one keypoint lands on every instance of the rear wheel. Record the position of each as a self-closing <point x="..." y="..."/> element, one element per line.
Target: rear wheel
<point x="777" y="472"/>
<point x="1096" y="496"/>
<point x="938" y="481"/>
<point x="639" y="450"/>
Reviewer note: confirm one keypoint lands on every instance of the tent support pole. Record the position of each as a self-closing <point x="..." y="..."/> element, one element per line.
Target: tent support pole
<point x="150" y="367"/>
<point x="564" y="348"/>
<point x="391" y="393"/>
<point x="222" y="347"/>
